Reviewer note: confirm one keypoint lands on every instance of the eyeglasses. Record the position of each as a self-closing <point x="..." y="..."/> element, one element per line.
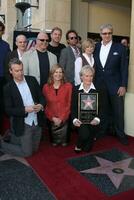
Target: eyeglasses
<point x="20" y="42"/>
<point x="71" y="38"/>
<point x="43" y="40"/>
<point x="108" y="33"/>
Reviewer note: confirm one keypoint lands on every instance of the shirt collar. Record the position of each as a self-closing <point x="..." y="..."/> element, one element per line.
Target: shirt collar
<point x="18" y="83"/>
<point x="91" y="87"/>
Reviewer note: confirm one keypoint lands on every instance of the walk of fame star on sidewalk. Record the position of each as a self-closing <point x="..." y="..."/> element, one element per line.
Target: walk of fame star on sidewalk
<point x="114" y="170"/>
<point x="111" y="171"/>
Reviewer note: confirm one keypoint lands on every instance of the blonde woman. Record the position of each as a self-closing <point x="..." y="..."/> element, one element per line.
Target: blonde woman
<point x="86" y="132"/>
<point x="86" y="58"/>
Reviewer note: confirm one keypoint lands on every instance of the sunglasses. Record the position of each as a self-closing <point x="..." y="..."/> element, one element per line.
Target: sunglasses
<point x="43" y="40"/>
<point x="106" y="33"/>
<point x="71" y="38"/>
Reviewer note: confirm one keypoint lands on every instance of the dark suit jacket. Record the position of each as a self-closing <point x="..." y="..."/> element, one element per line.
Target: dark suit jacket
<point x="75" y="95"/>
<point x="14" y="104"/>
<point x="115" y="72"/>
<point x="67" y="60"/>
<point x="11" y="55"/>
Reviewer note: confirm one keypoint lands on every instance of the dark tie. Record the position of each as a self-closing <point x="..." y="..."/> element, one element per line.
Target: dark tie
<point x="76" y="52"/>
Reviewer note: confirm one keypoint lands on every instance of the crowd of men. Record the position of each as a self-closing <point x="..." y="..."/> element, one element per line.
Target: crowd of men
<point x="23" y="74"/>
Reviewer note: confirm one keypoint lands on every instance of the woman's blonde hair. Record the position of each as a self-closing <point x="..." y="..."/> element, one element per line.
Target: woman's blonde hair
<point x="88" y="43"/>
<point x="52" y="71"/>
<point x="86" y="68"/>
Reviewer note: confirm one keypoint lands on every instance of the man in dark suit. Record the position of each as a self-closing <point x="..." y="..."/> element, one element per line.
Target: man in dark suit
<point x="111" y="77"/>
<point x="124" y="42"/>
<point x="4" y="49"/>
<point x="21" y="44"/>
<point x="24" y="104"/>
<point x="69" y="55"/>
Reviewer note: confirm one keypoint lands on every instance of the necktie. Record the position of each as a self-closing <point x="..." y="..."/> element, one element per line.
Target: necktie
<point x="76" y="52"/>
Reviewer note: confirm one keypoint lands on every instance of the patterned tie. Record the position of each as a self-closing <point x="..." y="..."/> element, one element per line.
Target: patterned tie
<point x="76" y="52"/>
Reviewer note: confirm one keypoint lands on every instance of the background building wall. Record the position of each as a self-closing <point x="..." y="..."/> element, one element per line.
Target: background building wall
<point x="129" y="99"/>
<point x="8" y="8"/>
<point x="81" y="15"/>
<point x="87" y="16"/>
<point x="100" y="13"/>
<point x="52" y="13"/>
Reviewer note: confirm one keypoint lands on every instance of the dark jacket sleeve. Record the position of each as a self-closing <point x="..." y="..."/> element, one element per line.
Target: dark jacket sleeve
<point x="74" y="104"/>
<point x="13" y="104"/>
<point x="36" y="91"/>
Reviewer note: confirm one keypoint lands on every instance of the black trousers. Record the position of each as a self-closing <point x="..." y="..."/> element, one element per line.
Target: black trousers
<point x="86" y="134"/>
<point x="62" y="136"/>
<point x="111" y="108"/>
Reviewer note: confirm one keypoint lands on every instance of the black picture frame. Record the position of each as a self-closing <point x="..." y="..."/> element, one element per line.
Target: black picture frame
<point x="87" y="107"/>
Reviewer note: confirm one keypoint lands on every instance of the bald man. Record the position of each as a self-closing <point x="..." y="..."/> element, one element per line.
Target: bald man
<point x="37" y="62"/>
<point x="21" y="43"/>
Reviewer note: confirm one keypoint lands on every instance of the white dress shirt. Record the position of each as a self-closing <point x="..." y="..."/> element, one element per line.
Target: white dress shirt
<point x="27" y="101"/>
<point x="86" y="91"/>
<point x="104" y="51"/>
<point x="19" y="54"/>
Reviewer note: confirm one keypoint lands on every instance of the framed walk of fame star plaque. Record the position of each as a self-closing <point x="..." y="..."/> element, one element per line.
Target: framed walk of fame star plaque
<point x="87" y="107"/>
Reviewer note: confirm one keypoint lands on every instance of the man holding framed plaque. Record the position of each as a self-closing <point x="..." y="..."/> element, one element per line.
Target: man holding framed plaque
<point x="85" y="110"/>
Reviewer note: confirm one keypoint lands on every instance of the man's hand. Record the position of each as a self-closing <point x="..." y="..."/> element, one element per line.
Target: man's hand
<point x="29" y="109"/>
<point x="37" y="108"/>
<point x="121" y="91"/>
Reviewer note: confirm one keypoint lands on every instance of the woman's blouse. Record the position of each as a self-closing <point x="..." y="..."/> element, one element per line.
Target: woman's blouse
<point x="79" y="63"/>
<point x="58" y="102"/>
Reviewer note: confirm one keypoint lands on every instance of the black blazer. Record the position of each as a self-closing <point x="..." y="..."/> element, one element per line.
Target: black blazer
<point x="14" y="106"/>
<point x="75" y="95"/>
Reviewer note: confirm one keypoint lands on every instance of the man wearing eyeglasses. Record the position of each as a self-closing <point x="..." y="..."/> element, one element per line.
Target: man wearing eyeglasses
<point x="111" y="77"/>
<point x="37" y="62"/>
<point x="69" y="55"/>
<point x="4" y="49"/>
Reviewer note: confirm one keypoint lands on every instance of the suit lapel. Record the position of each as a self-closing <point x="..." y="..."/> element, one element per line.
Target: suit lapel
<point x="15" y="54"/>
<point x="31" y="87"/>
<point x="15" y="91"/>
<point x="98" y="54"/>
<point x="71" y="53"/>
